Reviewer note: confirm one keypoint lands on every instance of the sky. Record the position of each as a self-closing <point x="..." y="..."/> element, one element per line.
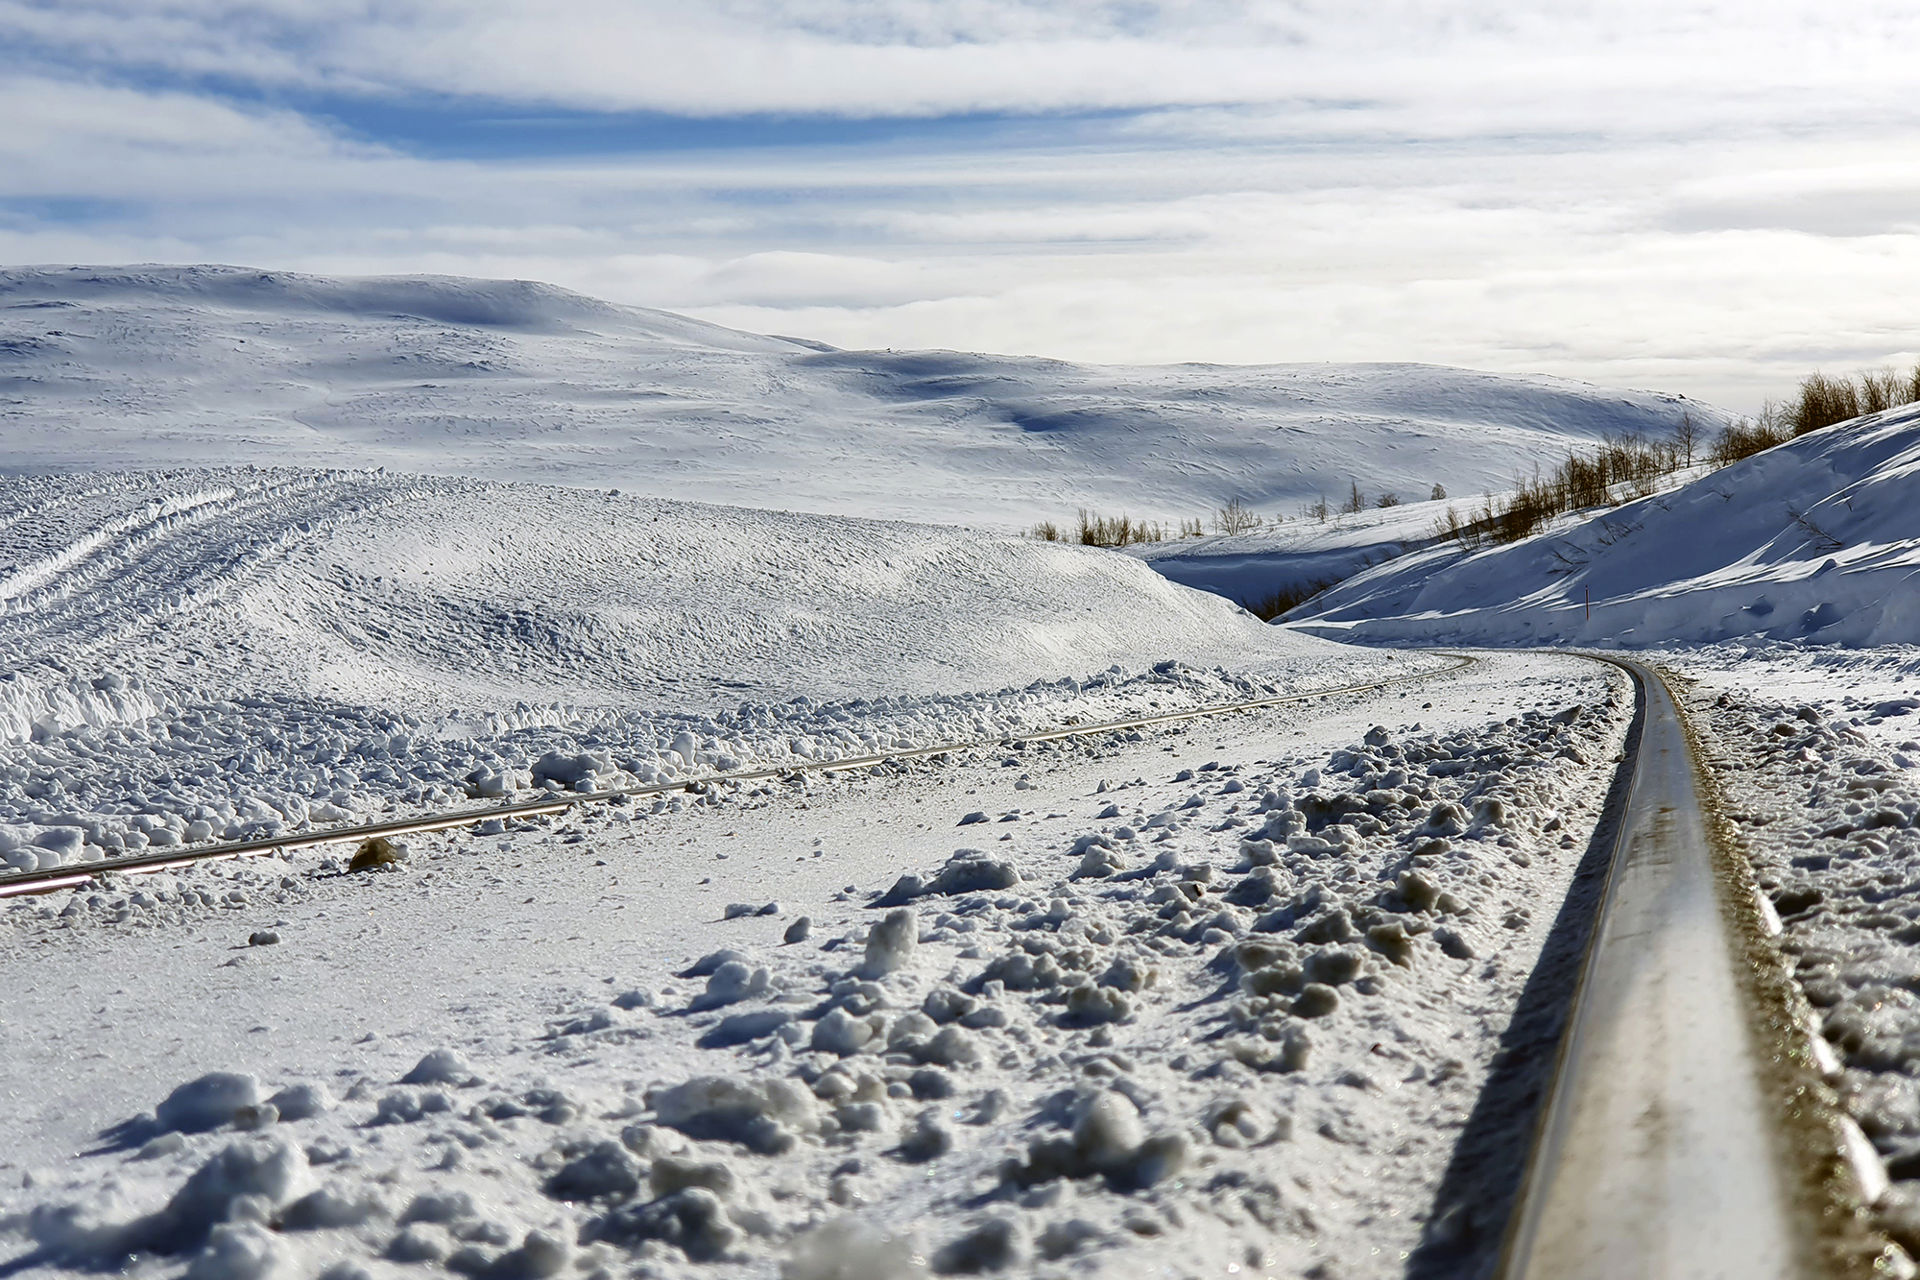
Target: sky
<point x="1705" y="196"/>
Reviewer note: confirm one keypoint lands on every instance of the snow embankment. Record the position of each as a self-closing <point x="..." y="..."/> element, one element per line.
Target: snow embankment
<point x="203" y="654"/>
<point x="1815" y="540"/>
<point x="1818" y="768"/>
<point x="126" y="367"/>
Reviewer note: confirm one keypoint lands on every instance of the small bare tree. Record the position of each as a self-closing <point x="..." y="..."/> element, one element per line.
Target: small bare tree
<point x="1235" y="517"/>
<point x="1356" y="501"/>
<point x="1685" y="436"/>
<point x="1318" y="509"/>
<point x="1387" y="500"/>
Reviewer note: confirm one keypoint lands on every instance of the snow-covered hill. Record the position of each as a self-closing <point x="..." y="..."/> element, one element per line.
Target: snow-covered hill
<point x="247" y="649"/>
<point x="1817" y="539"/>
<point x="114" y="368"/>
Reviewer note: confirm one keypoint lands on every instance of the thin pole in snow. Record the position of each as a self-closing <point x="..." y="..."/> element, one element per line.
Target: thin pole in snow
<point x="1589" y="604"/>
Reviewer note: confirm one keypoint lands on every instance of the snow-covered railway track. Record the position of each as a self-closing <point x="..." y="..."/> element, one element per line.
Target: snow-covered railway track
<point x="66" y="877"/>
<point x="1663" y="1150"/>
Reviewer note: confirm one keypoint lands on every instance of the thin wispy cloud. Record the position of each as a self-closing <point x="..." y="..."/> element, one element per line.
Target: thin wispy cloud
<point x="1704" y="196"/>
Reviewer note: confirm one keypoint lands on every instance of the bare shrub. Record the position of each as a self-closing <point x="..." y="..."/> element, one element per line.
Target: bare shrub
<point x="1747" y="437"/>
<point x="1236" y="517"/>
<point x="1685" y="436"/>
<point x="1117" y="531"/>
<point x="1824" y="401"/>
<point x="1882" y="389"/>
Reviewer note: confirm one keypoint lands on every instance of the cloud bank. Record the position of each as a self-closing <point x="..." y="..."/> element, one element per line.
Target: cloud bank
<point x="1706" y="197"/>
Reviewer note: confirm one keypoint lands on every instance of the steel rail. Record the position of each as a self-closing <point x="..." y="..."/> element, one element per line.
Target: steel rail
<point x="1659" y="1154"/>
<point x="53" y="879"/>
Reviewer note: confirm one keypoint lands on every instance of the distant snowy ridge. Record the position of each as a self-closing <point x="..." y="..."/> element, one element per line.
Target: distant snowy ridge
<point x="1814" y="540"/>
<point x="129" y="367"/>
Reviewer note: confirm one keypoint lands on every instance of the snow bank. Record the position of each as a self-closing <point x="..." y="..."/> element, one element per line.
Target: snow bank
<point x="1827" y="802"/>
<point x="1815" y="540"/>
<point x="315" y="646"/>
<point x="128" y="367"/>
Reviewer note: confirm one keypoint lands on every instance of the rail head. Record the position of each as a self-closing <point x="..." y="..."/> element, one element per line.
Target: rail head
<point x="1678" y="1139"/>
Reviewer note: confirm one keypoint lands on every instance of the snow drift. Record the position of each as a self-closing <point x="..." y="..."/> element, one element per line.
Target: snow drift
<point x="202" y="654"/>
<point x="1815" y="540"/>
<point x="130" y="367"/>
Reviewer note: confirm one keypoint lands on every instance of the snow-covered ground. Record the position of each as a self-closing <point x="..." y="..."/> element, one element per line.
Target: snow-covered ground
<point x="1210" y="1000"/>
<point x="1248" y="997"/>
<point x="1818" y="751"/>
<point x="1814" y="540"/>
<point x="110" y="368"/>
<point x="237" y="652"/>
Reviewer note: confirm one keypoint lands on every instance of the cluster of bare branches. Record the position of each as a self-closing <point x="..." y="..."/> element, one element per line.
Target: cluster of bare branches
<point x="1625" y="468"/>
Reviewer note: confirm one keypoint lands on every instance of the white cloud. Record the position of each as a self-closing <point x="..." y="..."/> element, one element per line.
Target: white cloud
<point x="940" y="56"/>
<point x="1689" y="195"/>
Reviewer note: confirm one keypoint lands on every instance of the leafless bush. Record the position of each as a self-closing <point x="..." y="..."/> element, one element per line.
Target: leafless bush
<point x="1824" y="401"/>
<point x="1236" y="517"/>
<point x="1117" y="531"/>
<point x="1747" y="437"/>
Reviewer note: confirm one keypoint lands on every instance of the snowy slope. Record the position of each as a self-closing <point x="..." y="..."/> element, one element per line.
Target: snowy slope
<point x="1817" y="539"/>
<point x="248" y="650"/>
<point x="108" y="368"/>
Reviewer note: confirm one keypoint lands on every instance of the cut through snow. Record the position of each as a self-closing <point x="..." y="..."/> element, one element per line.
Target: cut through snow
<point x="1814" y="540"/>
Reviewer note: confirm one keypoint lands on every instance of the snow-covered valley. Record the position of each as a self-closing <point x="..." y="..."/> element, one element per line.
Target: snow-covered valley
<point x="229" y="653"/>
<point x="1274" y="993"/>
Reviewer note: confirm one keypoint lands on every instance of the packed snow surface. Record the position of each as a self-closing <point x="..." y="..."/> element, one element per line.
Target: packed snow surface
<point x="110" y="368"/>
<point x="200" y="654"/>
<point x="1815" y="540"/>
<point x="1201" y="1000"/>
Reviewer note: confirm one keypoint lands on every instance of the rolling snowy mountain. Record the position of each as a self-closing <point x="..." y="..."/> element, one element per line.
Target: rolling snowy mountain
<point x="1813" y="540"/>
<point x="117" y="368"/>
